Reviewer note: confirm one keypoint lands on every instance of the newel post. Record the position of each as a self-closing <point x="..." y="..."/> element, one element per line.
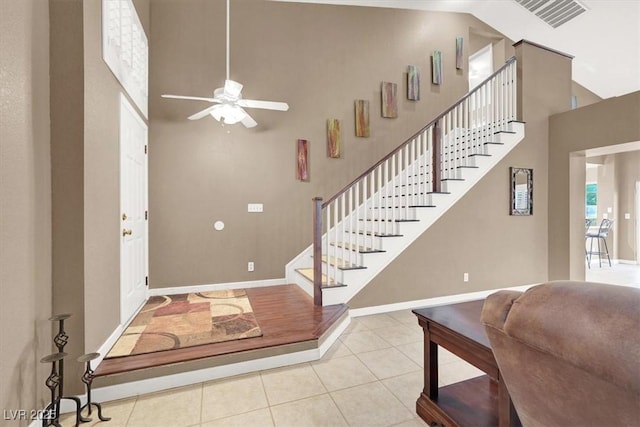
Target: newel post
<point x="317" y="251"/>
<point x="436" y="175"/>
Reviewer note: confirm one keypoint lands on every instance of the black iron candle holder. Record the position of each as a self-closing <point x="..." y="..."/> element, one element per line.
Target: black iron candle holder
<point x="51" y="414"/>
<point x="87" y="378"/>
<point x="60" y="340"/>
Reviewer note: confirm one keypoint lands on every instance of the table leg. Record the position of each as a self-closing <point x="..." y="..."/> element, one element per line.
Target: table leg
<point x="507" y="414"/>
<point x="430" y="366"/>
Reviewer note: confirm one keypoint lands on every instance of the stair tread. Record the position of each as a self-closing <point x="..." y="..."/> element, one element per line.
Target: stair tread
<point x="375" y="234"/>
<point x="340" y="263"/>
<point x="307" y="273"/>
<point x="389" y="220"/>
<point x="360" y="249"/>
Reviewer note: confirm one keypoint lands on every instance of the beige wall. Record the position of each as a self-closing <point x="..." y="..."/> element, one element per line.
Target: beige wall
<point x="319" y="59"/>
<point x="85" y="173"/>
<point x="609" y="122"/>
<point x="25" y="206"/>
<point x="583" y="95"/>
<point x="67" y="151"/>
<point x="477" y="235"/>
<point x="627" y="174"/>
<point x="617" y="178"/>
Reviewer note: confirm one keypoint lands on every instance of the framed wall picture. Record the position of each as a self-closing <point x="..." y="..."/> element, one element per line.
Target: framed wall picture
<point x="521" y="191"/>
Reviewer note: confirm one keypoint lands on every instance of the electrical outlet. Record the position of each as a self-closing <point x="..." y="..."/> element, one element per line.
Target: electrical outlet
<point x="255" y="207"/>
<point x="465" y="277"/>
<point x="251" y="266"/>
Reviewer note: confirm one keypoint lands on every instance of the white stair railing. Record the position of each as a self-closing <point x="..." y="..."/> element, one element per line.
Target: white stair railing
<point x="354" y="221"/>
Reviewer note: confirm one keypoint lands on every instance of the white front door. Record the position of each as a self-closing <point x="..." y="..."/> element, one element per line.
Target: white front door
<point x="133" y="211"/>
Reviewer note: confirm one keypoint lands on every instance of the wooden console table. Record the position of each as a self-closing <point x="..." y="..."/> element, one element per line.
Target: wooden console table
<point x="481" y="401"/>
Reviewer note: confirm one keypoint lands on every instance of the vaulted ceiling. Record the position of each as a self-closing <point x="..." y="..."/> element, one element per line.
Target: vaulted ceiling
<point x="604" y="40"/>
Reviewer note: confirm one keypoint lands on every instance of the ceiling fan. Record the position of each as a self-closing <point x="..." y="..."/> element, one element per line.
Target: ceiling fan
<point x="228" y="101"/>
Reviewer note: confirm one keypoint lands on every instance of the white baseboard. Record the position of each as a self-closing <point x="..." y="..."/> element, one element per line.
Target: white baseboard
<point x="448" y="299"/>
<point x="106" y="346"/>
<point x="215" y="287"/>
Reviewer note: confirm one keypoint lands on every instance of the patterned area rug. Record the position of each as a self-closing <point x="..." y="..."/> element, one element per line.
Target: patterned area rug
<point x="186" y="320"/>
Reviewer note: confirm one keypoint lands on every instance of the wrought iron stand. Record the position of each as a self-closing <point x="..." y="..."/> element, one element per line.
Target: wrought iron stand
<point x="87" y="378"/>
<point x="51" y="415"/>
<point x="60" y="340"/>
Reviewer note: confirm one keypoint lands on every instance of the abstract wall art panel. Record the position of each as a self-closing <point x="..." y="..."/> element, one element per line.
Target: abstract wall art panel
<point x="302" y="168"/>
<point x="459" y="60"/>
<point x="362" y="118"/>
<point x="436" y="67"/>
<point x="413" y="83"/>
<point x="334" y="138"/>
<point x="389" y="100"/>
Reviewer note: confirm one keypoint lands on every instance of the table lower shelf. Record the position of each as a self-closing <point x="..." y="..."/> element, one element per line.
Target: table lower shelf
<point x="472" y="403"/>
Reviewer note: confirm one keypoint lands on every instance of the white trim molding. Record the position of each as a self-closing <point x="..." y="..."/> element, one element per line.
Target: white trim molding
<point x="430" y="302"/>
<point x="215" y="287"/>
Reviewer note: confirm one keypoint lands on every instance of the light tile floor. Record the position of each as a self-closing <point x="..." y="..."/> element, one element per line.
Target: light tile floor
<point x="617" y="274"/>
<point x="371" y="376"/>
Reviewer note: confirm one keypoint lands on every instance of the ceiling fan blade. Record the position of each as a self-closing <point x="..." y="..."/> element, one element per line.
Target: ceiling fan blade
<point x="267" y="105"/>
<point x="202" y="113"/>
<point x="248" y="121"/>
<point x="190" y="98"/>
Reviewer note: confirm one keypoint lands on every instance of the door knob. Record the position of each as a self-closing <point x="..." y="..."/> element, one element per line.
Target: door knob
<point x="126" y="232"/>
<point x="124" y="216"/>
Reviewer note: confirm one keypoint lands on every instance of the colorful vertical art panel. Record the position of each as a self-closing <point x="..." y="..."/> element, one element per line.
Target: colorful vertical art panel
<point x="413" y="83"/>
<point x="362" y="118"/>
<point x="389" y="100"/>
<point x="436" y="66"/>
<point x="459" y="58"/>
<point x="302" y="169"/>
<point x="334" y="138"/>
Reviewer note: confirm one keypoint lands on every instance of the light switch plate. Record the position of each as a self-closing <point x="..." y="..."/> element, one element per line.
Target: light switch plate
<point x="627" y="216"/>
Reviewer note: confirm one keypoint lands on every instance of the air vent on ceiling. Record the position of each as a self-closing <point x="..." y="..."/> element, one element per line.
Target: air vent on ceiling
<point x="553" y="12"/>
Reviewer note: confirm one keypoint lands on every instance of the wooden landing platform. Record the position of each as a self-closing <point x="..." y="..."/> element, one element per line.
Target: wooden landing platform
<point x="285" y="313"/>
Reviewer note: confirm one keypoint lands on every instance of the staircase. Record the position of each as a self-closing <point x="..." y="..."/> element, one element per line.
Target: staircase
<point x="365" y="226"/>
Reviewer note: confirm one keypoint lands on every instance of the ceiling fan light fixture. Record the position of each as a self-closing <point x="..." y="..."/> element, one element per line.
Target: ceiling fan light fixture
<point x="232" y="89"/>
<point x="228" y="114"/>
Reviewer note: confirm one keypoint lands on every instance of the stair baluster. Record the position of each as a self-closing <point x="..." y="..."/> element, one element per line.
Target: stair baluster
<point x="360" y="218"/>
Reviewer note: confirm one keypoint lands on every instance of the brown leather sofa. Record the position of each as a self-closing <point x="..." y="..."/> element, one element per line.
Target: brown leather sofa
<point x="569" y="352"/>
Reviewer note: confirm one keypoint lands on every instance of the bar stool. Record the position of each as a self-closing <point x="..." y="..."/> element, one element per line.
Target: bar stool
<point x="601" y="234"/>
<point x="87" y="378"/>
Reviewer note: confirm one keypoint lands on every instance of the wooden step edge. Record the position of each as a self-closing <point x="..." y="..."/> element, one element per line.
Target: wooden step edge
<point x="307" y="273"/>
<point x="341" y="264"/>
